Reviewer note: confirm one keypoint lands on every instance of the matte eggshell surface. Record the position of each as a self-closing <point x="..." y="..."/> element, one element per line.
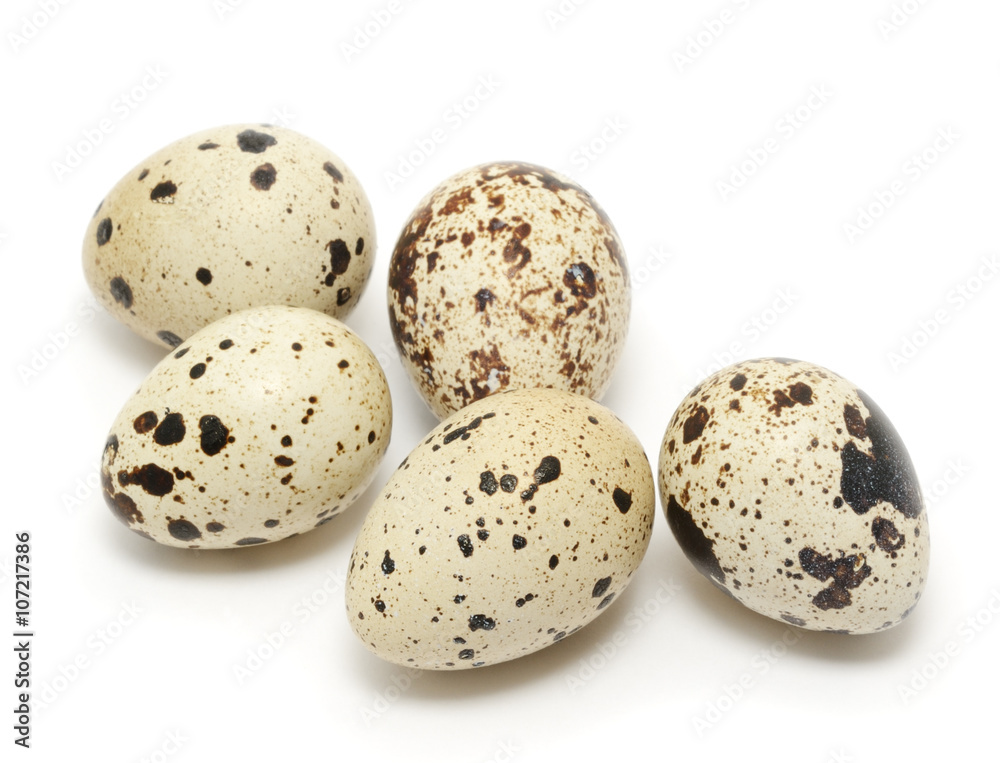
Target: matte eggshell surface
<point x="512" y="525"/>
<point x="508" y="275"/>
<point x="261" y="426"/>
<point x="226" y="219"/>
<point x="789" y="488"/>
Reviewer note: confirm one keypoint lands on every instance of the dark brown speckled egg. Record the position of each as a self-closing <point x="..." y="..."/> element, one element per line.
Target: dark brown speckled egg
<point x="508" y="276"/>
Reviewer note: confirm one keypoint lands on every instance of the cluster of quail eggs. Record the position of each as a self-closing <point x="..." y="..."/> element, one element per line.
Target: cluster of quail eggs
<point x="529" y="508"/>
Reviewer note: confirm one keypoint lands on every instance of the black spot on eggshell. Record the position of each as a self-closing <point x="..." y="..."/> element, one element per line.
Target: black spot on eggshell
<point x="263" y="177"/>
<point x="343" y="296"/>
<point x="847" y="572"/>
<point x="488" y="483"/>
<point x="183" y="530"/>
<point x="553" y="562"/>
<point x="885" y="475"/>
<point x="738" y="382"/>
<point x="104" y="229"/>
<point x="197" y="370"/>
<point x="170" y="431"/>
<point x="855" y="422"/>
<point x="163" y="192"/>
<point x="695" y="424"/>
<point x="204" y="275"/>
<point x="697" y="547"/>
<point x="547" y="471"/>
<point x="271" y="523"/>
<point x="465" y="545"/>
<point x="518" y="542"/>
<point x="225" y="344"/>
<point x="150" y="477"/>
<point x="508" y="483"/>
<point x="145" y="422"/>
<point x="601" y="587"/>
<point x="123" y="507"/>
<point x="622" y="500"/>
<point x="144" y="174"/>
<point x="580" y="280"/>
<point x="207" y="145"/>
<point x="388" y="565"/>
<point x="215" y="527"/>
<point x="250" y="541"/>
<point x="333" y="172"/>
<point x="169" y="338"/>
<point x="481" y="622"/>
<point x="121" y="292"/>
<point x="214" y="435"/>
<point x="463" y="432"/>
<point x="793" y="620"/>
<point x="606" y="600"/>
<point x="253" y="142"/>
<point x="887" y="537"/>
<point x="483" y="298"/>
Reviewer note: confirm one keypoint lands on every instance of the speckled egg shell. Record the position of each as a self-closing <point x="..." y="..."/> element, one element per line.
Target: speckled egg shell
<point x="508" y="276"/>
<point x="263" y="425"/>
<point x="511" y="526"/>
<point x="227" y="219"/>
<point x="789" y="489"/>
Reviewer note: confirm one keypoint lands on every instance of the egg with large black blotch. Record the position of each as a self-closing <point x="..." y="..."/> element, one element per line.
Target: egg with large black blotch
<point x="513" y="524"/>
<point x="227" y="219"/>
<point x="262" y="425"/>
<point x="789" y="489"/>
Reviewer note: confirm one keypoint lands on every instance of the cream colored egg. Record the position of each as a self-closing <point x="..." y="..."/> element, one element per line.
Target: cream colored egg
<point x="226" y="219"/>
<point x="263" y="425"/>
<point x="789" y="489"/>
<point x="512" y="525"/>
<point x="507" y="276"/>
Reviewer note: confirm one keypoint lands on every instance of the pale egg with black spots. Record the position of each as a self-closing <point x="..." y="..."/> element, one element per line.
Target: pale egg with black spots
<point x="790" y="490"/>
<point x="227" y="219"/>
<point x="506" y="276"/>
<point x="513" y="524"/>
<point x="262" y="425"/>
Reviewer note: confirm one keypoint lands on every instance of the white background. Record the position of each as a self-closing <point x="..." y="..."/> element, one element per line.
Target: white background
<point x="165" y="637"/>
